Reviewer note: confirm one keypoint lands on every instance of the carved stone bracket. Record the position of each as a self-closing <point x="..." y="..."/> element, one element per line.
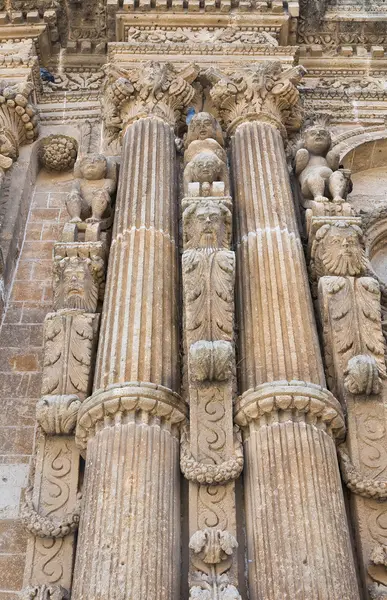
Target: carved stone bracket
<point x="261" y="92"/>
<point x="58" y="414"/>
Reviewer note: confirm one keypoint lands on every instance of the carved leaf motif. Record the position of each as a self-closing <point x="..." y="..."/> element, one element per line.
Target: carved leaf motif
<point x="81" y="344"/>
<point x="368" y="303"/>
<point x="53" y="351"/>
<point x="209" y="281"/>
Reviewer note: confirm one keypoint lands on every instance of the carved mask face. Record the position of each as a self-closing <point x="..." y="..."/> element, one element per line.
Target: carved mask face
<point x="94" y="167"/>
<point x="75" y="286"/>
<point x="317" y="140"/>
<point x="202" y="126"/>
<point x="341" y="252"/>
<point x="206" y="167"/>
<point x="207" y="225"/>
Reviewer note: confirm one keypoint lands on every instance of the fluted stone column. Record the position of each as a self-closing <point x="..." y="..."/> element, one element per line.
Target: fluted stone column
<point x="297" y="533"/>
<point x="129" y="541"/>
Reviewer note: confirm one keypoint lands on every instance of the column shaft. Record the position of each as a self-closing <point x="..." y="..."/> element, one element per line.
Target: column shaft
<point x="298" y="540"/>
<point x="129" y="542"/>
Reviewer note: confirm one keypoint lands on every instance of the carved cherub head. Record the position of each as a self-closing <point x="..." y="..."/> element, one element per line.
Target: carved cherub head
<point x="317" y="140"/>
<point x="93" y="167"/>
<point x="205" y="167"/>
<point x="207" y="225"/>
<point x="338" y="250"/>
<point x="76" y="282"/>
<point x="203" y="126"/>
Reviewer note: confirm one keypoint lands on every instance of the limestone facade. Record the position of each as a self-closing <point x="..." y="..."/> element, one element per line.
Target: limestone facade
<point x="193" y="300"/>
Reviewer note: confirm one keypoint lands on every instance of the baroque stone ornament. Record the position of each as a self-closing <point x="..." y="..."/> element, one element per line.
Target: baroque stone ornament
<point x="211" y="453"/>
<point x="212" y="551"/>
<point x="155" y="89"/>
<point x="338" y="249"/>
<point x="58" y="414"/>
<point x="45" y="592"/>
<point x="262" y="92"/>
<point x="78" y="280"/>
<point x="58" y="152"/>
<point x="91" y="196"/>
<point x="45" y="526"/>
<point x="316" y="166"/>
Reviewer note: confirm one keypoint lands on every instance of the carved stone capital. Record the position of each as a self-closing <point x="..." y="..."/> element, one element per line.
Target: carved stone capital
<point x="58" y="414"/>
<point x="154" y="89"/>
<point x="79" y="275"/>
<point x="259" y="92"/>
<point x="117" y="402"/>
<point x="268" y="403"/>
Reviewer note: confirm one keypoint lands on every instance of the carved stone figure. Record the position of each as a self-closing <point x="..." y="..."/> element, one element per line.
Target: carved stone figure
<point x="90" y="198"/>
<point x="77" y="281"/>
<point x="317" y="167"/>
<point x="338" y="249"/>
<point x="204" y="158"/>
<point x="206" y="224"/>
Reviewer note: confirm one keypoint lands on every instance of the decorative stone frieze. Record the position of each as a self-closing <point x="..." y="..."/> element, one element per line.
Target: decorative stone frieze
<point x="258" y="92"/>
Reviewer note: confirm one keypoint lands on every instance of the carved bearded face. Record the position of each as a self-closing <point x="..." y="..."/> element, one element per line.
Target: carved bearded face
<point x="317" y="140"/>
<point x="206" y="167"/>
<point x="93" y="167"/>
<point x="340" y="251"/>
<point x="74" y="284"/>
<point x="207" y="225"/>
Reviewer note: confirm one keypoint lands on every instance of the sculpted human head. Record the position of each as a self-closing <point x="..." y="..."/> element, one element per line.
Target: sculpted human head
<point x="93" y="167"/>
<point x="205" y="167"/>
<point x="338" y="250"/>
<point x="207" y="225"/>
<point x="203" y="126"/>
<point x="76" y="282"/>
<point x="317" y="140"/>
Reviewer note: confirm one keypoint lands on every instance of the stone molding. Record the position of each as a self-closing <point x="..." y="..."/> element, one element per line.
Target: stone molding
<point x="281" y="399"/>
<point x="119" y="401"/>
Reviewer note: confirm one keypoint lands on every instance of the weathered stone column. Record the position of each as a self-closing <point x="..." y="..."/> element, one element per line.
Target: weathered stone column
<point x="297" y="533"/>
<point x="129" y="540"/>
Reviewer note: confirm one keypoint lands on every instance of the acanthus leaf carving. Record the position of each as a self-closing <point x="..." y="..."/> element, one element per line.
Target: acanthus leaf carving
<point x="212" y="554"/>
<point x="155" y="89"/>
<point x="45" y="592"/>
<point x="257" y="92"/>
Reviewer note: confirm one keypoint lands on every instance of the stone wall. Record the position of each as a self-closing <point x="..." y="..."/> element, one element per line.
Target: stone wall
<point x="20" y="368"/>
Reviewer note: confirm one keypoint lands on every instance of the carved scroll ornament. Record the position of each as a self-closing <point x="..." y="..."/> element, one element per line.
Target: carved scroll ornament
<point x="46" y="526"/>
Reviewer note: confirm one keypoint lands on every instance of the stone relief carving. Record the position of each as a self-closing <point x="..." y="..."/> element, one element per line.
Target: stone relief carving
<point x="69" y="347"/>
<point x="260" y="91"/>
<point x="58" y="414"/>
<point x="338" y="249"/>
<point x="155" y="89"/>
<point x="45" y="592"/>
<point x="46" y="526"/>
<point x="202" y="35"/>
<point x="78" y="280"/>
<point x="58" y="152"/>
<point x="357" y="482"/>
<point x="91" y="196"/>
<point x="212" y="551"/>
<point x="316" y="166"/>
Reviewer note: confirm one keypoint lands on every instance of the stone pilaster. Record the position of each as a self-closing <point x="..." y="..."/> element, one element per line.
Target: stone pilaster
<point x="129" y="541"/>
<point x="298" y="539"/>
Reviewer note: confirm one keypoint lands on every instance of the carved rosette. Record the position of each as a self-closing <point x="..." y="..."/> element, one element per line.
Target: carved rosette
<point x="154" y="90"/>
<point x="261" y="92"/>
